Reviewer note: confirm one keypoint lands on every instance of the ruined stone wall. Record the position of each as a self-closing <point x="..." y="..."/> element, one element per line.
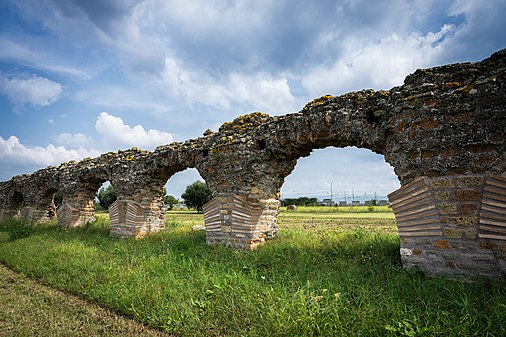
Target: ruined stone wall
<point x="445" y="124"/>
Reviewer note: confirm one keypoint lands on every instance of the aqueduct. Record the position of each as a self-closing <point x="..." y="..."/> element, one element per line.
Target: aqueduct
<point x="442" y="131"/>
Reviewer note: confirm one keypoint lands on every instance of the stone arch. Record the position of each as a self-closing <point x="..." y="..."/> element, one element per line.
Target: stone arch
<point x="13" y="202"/>
<point x="39" y="208"/>
<point x="38" y="191"/>
<point x="139" y="182"/>
<point x="78" y="202"/>
<point x="442" y="131"/>
<point x="79" y="183"/>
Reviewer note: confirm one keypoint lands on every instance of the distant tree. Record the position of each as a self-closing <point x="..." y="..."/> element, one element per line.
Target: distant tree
<point x="302" y="201"/>
<point x="170" y="200"/>
<point x="196" y="195"/>
<point x="305" y="201"/>
<point x="97" y="206"/>
<point x="106" y="196"/>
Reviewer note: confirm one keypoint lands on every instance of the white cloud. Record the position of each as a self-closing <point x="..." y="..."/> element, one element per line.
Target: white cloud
<point x="200" y="17"/>
<point x="14" y="153"/>
<point x="482" y="30"/>
<point x="380" y="65"/>
<point x="124" y="97"/>
<point x="258" y="91"/>
<point x="270" y="95"/>
<point x="115" y="131"/>
<point x="29" y="90"/>
<point x="36" y="55"/>
<point x="16" y="157"/>
<point x="73" y="140"/>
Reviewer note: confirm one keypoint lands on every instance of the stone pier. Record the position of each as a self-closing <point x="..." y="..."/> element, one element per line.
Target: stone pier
<point x="139" y="209"/>
<point x="453" y="225"/>
<point x="76" y="210"/>
<point x="240" y="222"/>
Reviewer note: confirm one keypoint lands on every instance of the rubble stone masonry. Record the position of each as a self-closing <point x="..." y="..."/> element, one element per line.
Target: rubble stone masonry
<point x="442" y="131"/>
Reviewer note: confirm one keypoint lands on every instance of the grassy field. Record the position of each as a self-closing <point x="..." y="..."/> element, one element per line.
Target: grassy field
<point x="340" y="209"/>
<point x="30" y="309"/>
<point x="327" y="274"/>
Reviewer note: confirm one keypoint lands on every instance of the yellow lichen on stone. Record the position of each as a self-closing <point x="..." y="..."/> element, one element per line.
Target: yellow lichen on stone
<point x="319" y="101"/>
<point x="467" y="89"/>
<point x="452" y="84"/>
<point x="245" y="122"/>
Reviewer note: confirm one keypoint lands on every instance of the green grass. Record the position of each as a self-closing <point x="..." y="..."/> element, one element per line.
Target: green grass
<point x="31" y="309"/>
<point x="382" y="217"/>
<point x="340" y="209"/>
<point x="337" y="277"/>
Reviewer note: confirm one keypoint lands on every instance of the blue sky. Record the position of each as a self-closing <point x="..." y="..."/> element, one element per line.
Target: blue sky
<point x="83" y="77"/>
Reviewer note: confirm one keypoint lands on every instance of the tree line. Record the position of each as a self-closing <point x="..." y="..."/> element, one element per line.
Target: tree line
<point x="195" y="196"/>
<point x="302" y="201"/>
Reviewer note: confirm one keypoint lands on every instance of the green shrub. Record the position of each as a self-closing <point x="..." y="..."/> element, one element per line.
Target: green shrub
<point x="16" y="228"/>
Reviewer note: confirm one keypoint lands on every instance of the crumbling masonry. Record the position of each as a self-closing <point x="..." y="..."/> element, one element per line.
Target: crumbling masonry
<point x="442" y="131"/>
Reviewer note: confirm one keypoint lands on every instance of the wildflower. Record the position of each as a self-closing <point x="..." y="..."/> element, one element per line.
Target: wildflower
<point x="337" y="295"/>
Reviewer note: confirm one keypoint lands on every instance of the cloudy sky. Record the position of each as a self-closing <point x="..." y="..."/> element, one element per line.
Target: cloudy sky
<point x="82" y="77"/>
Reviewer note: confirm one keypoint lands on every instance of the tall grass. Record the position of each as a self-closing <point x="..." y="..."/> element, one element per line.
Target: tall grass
<point x="315" y="280"/>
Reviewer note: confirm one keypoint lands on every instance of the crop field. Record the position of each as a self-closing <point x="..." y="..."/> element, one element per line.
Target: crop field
<point x="326" y="274"/>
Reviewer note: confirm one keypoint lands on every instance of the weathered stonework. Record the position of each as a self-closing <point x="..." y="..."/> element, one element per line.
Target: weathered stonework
<point x="240" y="222"/>
<point x="442" y="131"/>
<point x="456" y="236"/>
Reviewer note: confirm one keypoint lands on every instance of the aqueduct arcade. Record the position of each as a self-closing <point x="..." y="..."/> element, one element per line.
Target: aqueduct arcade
<point x="442" y="131"/>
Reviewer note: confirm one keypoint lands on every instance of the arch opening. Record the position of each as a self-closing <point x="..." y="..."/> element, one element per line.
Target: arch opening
<point x="14" y="202"/>
<point x="174" y="196"/>
<point x="51" y="202"/>
<point x="78" y="202"/>
<point x="347" y="176"/>
<point x="176" y="208"/>
<point x="340" y="189"/>
<point x="15" y="199"/>
<point x="105" y="196"/>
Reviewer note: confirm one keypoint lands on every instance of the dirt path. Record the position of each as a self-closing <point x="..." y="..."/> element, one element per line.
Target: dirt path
<point x="28" y="308"/>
